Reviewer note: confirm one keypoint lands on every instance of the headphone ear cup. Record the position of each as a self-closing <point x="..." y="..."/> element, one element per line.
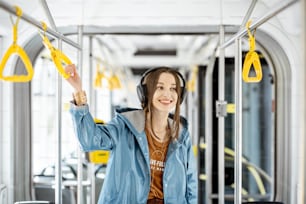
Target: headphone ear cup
<point x="183" y="94"/>
<point x="141" y="92"/>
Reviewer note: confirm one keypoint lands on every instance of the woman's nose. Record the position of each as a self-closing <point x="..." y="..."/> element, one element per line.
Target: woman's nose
<point x="166" y="93"/>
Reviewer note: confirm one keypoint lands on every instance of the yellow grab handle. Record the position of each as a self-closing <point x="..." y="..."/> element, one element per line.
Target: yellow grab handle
<point x="191" y="84"/>
<point x="98" y="77"/>
<point x="58" y="57"/>
<point x="97" y="83"/>
<point x="114" y="82"/>
<point x="251" y="58"/>
<point x="14" y="48"/>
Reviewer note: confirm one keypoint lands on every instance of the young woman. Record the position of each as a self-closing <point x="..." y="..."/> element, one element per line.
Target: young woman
<point x="151" y="154"/>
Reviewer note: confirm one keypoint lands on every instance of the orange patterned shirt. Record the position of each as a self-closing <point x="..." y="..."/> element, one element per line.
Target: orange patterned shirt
<point x="158" y="152"/>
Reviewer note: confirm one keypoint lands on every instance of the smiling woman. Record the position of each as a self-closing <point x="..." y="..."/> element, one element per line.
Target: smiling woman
<point x="248" y="138"/>
<point x="148" y="133"/>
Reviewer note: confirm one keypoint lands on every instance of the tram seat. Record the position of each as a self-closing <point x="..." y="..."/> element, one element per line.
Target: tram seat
<point x="33" y="202"/>
<point x="47" y="193"/>
<point x="263" y="202"/>
<point x="3" y="192"/>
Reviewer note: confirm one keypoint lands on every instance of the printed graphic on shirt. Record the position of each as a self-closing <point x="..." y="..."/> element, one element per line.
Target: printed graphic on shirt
<point x="157" y="165"/>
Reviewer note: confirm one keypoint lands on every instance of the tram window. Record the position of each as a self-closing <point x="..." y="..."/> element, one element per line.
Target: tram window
<point x="44" y="115"/>
<point x="258" y="137"/>
<point x="257" y="133"/>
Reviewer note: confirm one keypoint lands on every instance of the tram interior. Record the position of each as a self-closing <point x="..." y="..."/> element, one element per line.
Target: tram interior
<point x="120" y="40"/>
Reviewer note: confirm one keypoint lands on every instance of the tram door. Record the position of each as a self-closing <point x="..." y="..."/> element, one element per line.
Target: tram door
<point x="257" y="137"/>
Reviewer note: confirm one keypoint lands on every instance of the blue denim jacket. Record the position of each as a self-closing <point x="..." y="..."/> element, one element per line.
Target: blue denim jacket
<point x="127" y="178"/>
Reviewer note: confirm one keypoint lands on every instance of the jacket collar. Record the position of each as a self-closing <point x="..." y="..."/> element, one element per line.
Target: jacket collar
<point x="135" y="120"/>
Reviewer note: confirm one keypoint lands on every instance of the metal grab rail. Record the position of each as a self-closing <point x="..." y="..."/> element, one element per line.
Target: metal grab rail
<point x="29" y="19"/>
<point x="277" y="9"/>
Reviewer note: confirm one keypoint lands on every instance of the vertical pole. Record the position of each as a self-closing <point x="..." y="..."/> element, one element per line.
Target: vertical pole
<point x="1" y="122"/>
<point x="91" y="170"/>
<point x="302" y="194"/>
<point x="221" y="82"/>
<point x="2" y="108"/>
<point x="208" y="127"/>
<point x="238" y="122"/>
<point x="92" y="94"/>
<point x="80" y="163"/>
<point x="58" y="167"/>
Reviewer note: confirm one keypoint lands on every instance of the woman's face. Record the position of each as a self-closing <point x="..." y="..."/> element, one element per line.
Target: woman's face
<point x="165" y="95"/>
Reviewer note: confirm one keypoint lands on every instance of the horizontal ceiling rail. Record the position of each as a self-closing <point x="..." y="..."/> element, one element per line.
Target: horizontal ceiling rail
<point x="276" y="9"/>
<point x="29" y="19"/>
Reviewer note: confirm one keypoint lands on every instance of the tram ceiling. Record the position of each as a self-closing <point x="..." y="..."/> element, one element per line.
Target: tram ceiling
<point x="155" y="45"/>
<point x="138" y="13"/>
<point x="155" y="50"/>
<point x="149" y="34"/>
<point x="164" y="32"/>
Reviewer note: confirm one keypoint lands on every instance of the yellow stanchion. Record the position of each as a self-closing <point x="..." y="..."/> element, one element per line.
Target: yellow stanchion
<point x="16" y="49"/>
<point x="57" y="56"/>
<point x="251" y="58"/>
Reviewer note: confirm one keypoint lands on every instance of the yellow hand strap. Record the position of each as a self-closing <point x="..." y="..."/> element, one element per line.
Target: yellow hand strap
<point x="251" y="58"/>
<point x="191" y="84"/>
<point x="16" y="49"/>
<point x="98" y="78"/>
<point x="57" y="56"/>
<point x="97" y="83"/>
<point x="114" y="82"/>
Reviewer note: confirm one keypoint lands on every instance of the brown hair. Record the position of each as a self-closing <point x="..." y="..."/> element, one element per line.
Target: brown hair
<point x="150" y="82"/>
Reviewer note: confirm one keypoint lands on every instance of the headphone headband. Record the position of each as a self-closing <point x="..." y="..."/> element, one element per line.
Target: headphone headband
<point x="142" y="88"/>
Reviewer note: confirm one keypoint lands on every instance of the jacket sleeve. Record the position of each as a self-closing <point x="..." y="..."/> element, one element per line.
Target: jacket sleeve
<point x="192" y="175"/>
<point x="90" y="135"/>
